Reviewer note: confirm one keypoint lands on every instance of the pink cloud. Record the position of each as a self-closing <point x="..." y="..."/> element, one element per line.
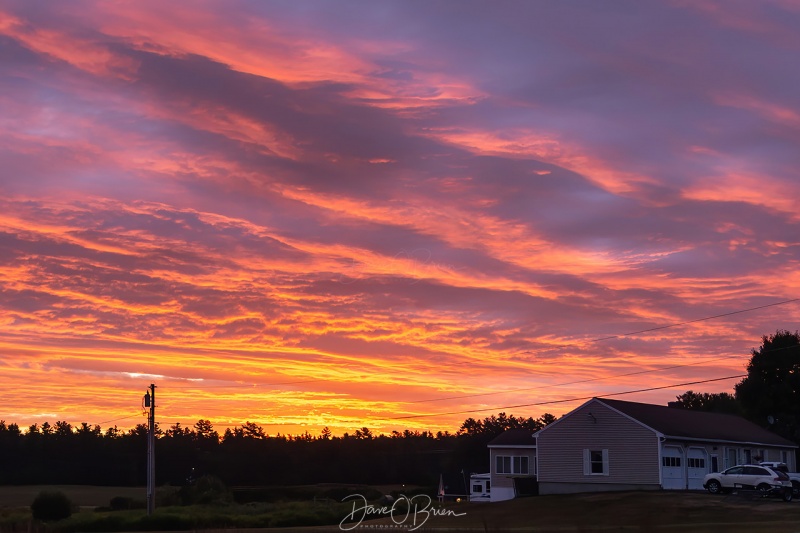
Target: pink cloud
<point x="307" y="207"/>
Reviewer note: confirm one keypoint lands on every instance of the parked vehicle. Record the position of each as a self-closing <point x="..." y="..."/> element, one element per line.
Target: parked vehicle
<point x="793" y="476"/>
<point x="766" y="480"/>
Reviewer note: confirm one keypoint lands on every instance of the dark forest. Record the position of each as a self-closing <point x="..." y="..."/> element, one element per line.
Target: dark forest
<point x="245" y="455"/>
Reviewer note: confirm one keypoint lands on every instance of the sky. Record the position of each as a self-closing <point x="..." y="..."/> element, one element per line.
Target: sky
<point x="394" y="215"/>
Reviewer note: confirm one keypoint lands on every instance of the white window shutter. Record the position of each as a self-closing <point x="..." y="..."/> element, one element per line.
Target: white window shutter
<point x="605" y="461"/>
<point x="587" y="462"/>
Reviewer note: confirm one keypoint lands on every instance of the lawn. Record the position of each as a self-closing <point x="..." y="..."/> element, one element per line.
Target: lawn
<point x="667" y="511"/>
<point x="691" y="512"/>
<point x="81" y="495"/>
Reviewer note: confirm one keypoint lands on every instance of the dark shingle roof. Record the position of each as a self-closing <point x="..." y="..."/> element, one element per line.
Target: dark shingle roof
<point x="675" y="422"/>
<point x="514" y="437"/>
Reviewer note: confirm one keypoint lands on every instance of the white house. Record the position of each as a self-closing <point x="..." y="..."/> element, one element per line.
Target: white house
<point x="512" y="459"/>
<point x="606" y="445"/>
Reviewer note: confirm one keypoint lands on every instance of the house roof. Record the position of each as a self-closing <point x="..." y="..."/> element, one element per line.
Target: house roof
<point x="514" y="437"/>
<point x="686" y="423"/>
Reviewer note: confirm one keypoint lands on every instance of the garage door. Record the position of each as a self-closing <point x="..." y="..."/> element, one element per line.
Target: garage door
<point x="672" y="468"/>
<point x="697" y="466"/>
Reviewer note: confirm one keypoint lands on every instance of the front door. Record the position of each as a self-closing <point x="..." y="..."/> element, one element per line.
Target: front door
<point x="748" y="457"/>
<point x="731" y="458"/>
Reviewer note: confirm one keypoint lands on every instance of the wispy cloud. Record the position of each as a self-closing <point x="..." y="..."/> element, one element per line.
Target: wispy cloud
<point x="319" y="215"/>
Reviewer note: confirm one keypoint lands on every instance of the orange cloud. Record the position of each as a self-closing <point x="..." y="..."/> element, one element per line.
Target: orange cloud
<point x="170" y="333"/>
<point x="758" y="190"/>
<point x="548" y="148"/>
<point x="83" y="54"/>
<point x="337" y="258"/>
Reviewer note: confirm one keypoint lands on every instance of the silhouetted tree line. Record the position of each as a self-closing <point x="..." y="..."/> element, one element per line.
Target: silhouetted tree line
<point x="245" y="455"/>
<point x="770" y="393"/>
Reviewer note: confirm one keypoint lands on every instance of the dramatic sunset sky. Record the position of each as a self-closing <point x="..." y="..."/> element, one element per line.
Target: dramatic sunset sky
<point x="390" y="214"/>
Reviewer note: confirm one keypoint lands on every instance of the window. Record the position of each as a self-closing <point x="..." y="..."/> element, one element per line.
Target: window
<point x="595" y="462"/>
<point x="673" y="461"/>
<point x="697" y="462"/>
<point x="512" y="464"/>
<point x="715" y="463"/>
<point x="477" y="488"/>
<point x="503" y="464"/>
<point x="488" y="486"/>
<point x="521" y="464"/>
<point x="748" y="458"/>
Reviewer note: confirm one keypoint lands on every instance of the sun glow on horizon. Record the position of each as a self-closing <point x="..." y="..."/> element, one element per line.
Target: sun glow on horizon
<point x="389" y="216"/>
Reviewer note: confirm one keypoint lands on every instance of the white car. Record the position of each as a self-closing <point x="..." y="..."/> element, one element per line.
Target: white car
<point x="756" y="477"/>
<point x="794" y="477"/>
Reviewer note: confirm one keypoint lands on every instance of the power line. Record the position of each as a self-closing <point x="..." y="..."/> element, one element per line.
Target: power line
<point x="657" y="328"/>
<point x="561" y="346"/>
<point x="494" y="393"/>
<point x="600" y="339"/>
<point x="638" y="332"/>
<point x="247" y="385"/>
<point x="549" y="402"/>
<point x="569" y="382"/>
<point x="544" y="387"/>
<point x="638" y="372"/>
<point x="118" y="419"/>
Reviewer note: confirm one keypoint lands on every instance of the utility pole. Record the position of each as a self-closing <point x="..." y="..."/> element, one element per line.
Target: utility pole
<point x="150" y="401"/>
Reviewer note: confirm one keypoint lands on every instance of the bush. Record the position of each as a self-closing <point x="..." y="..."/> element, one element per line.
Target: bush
<point x="164" y="522"/>
<point x="100" y="524"/>
<point x="124" y="503"/>
<point x="51" y="506"/>
<point x="167" y="497"/>
<point x="208" y="490"/>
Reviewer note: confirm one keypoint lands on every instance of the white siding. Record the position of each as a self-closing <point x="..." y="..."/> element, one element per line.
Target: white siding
<point x="503" y="484"/>
<point x="631" y="450"/>
<point x="727" y="455"/>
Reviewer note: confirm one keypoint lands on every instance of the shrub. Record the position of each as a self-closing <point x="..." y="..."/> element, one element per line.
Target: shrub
<point x="205" y="491"/>
<point x="164" y="522"/>
<point x="51" y="506"/>
<point x="101" y="524"/>
<point x="167" y="497"/>
<point x="123" y="503"/>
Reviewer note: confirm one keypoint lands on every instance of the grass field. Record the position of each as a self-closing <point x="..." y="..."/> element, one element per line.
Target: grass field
<point x="691" y="512"/>
<point x="82" y="495"/>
